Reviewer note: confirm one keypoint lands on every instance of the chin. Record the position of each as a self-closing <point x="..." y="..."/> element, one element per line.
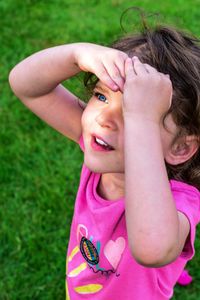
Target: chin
<point x="96" y="166"/>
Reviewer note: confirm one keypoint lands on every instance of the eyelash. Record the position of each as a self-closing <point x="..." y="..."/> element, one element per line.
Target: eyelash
<point x="96" y="94"/>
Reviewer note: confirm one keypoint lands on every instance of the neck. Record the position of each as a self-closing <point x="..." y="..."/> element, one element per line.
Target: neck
<point x="111" y="186"/>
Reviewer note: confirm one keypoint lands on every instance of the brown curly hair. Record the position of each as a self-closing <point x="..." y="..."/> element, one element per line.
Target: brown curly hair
<point x="176" y="53"/>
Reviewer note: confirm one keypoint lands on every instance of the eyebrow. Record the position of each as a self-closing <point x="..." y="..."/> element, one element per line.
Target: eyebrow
<point x="98" y="86"/>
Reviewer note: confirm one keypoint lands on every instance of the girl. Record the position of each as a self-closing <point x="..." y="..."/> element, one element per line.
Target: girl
<point x="138" y="202"/>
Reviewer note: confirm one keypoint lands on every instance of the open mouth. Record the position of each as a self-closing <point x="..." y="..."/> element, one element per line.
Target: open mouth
<point x="100" y="144"/>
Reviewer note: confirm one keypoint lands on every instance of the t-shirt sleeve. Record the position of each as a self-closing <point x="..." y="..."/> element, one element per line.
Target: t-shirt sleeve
<point x="187" y="200"/>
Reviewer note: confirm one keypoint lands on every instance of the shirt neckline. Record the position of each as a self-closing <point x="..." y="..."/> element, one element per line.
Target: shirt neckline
<point x="96" y="179"/>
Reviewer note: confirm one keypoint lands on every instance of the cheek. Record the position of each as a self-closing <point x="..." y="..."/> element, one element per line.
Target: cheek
<point x="86" y="117"/>
<point x="83" y="118"/>
<point x="121" y="139"/>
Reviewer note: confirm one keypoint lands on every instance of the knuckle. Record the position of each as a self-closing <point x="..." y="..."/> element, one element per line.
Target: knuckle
<point x="103" y="73"/>
<point x="115" y="75"/>
<point x="158" y="78"/>
<point x="145" y="78"/>
<point x="104" y="77"/>
<point x="167" y="81"/>
<point x="122" y="55"/>
<point x="131" y="78"/>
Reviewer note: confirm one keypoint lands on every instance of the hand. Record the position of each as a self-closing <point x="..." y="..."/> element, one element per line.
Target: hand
<point x="147" y="92"/>
<point x="106" y="63"/>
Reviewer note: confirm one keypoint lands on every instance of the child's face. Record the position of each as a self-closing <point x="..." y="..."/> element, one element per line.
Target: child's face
<point x="103" y="131"/>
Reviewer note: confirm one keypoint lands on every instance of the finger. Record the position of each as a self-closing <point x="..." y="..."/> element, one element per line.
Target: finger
<point x="121" y="67"/>
<point x="150" y="69"/>
<point x="122" y="79"/>
<point x="114" y="74"/>
<point x="153" y="70"/>
<point x="139" y="67"/>
<point x="129" y="69"/>
<point x="103" y="75"/>
<point x="120" y="64"/>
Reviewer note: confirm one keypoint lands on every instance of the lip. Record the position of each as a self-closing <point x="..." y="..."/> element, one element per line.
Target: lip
<point x="97" y="147"/>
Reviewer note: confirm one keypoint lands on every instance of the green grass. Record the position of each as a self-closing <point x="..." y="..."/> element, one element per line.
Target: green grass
<point x="40" y="169"/>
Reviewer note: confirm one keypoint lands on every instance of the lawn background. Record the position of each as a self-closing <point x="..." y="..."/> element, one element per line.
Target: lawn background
<point x="40" y="169"/>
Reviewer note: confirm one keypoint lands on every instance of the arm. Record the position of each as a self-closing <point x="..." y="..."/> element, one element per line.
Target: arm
<point x="156" y="231"/>
<point x="36" y="81"/>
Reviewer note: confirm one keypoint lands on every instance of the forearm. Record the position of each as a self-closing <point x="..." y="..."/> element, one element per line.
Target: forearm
<point x="41" y="72"/>
<point x="152" y="219"/>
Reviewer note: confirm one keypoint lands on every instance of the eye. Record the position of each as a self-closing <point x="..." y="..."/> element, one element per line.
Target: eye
<point x="100" y="97"/>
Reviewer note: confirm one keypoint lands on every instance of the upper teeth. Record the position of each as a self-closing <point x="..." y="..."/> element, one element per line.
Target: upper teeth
<point x="101" y="142"/>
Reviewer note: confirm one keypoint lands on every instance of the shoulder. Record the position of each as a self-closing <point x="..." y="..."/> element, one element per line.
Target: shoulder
<point x="187" y="198"/>
<point x="184" y="187"/>
<point x="187" y="201"/>
<point x="185" y="192"/>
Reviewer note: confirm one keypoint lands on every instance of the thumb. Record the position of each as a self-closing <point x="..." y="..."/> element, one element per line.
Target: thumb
<point x="129" y="69"/>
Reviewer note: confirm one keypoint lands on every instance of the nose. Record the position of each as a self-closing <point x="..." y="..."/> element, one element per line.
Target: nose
<point x="109" y="117"/>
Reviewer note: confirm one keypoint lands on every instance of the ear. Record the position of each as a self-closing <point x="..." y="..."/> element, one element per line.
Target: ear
<point x="182" y="150"/>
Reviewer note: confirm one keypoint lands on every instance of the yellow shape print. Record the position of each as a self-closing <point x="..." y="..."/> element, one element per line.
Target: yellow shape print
<point x="78" y="270"/>
<point x="73" y="253"/>
<point x="88" y="289"/>
<point x="66" y="285"/>
<point x="67" y="292"/>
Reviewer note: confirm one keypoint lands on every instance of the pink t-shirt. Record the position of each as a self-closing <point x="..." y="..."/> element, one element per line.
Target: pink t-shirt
<point x="99" y="262"/>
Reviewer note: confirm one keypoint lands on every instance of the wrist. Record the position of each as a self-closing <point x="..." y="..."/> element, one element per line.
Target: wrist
<point x="142" y="120"/>
<point x="78" y="52"/>
<point x="140" y="130"/>
<point x="77" y="49"/>
<point x="70" y="52"/>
